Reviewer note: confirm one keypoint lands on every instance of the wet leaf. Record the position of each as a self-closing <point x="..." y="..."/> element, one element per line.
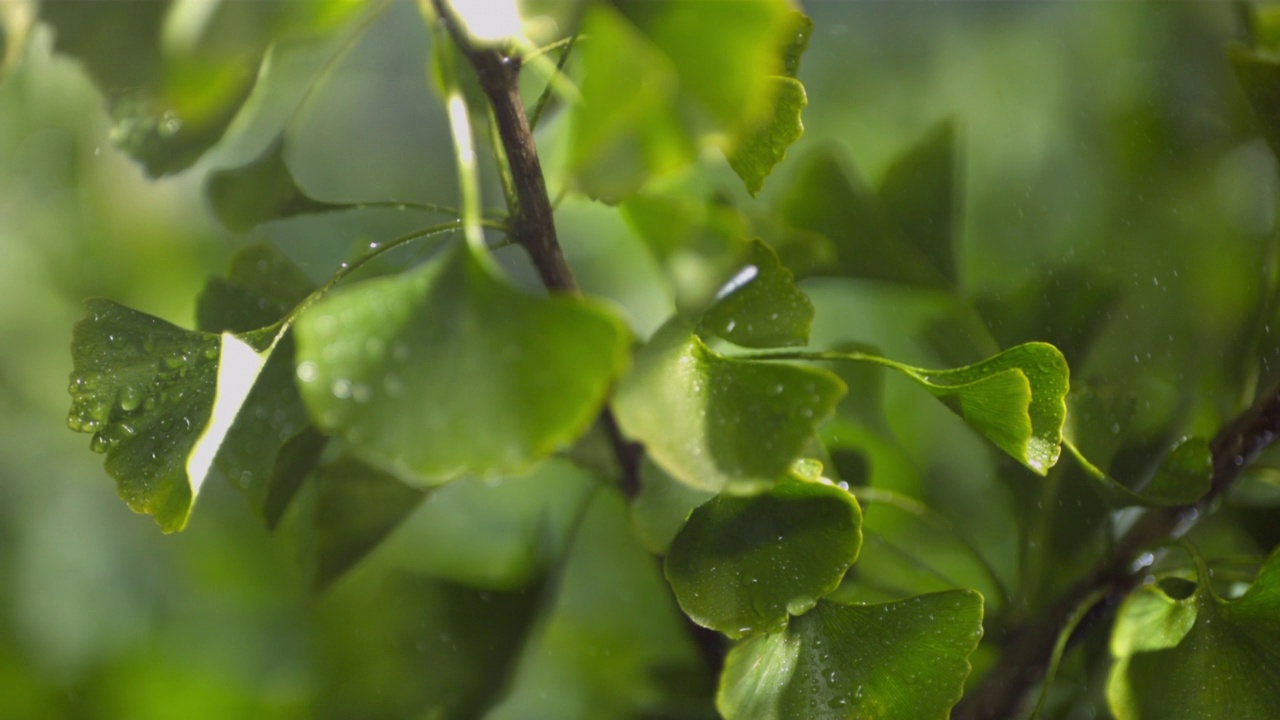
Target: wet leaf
<point x="754" y="150"/>
<point x="1184" y="655"/>
<point x="741" y="565"/>
<point x="261" y="287"/>
<point x="904" y="660"/>
<point x="713" y="421"/>
<point x="262" y="190"/>
<point x="760" y="306"/>
<point x="159" y="400"/>
<point x="446" y="369"/>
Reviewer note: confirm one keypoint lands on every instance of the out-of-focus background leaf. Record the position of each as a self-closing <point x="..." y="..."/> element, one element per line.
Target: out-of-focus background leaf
<point x="1113" y="196"/>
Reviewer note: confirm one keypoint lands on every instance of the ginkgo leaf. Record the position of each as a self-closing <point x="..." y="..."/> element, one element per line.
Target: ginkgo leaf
<point x="904" y="660"/>
<point x="1017" y="398"/>
<point x="446" y="369"/>
<point x="919" y="191"/>
<point x="1183" y="653"/>
<point x="160" y="401"/>
<point x="713" y="421"/>
<point x="742" y="564"/>
<point x="760" y="306"/>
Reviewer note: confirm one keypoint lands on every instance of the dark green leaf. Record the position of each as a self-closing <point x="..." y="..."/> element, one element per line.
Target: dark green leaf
<point x="905" y="660"/>
<point x="614" y="644"/>
<point x="760" y="306"/>
<point x="357" y="507"/>
<point x="741" y="564"/>
<point x="827" y="197"/>
<point x="755" y="149"/>
<point x="159" y="400"/>
<point x="1182" y="478"/>
<point x="497" y="534"/>
<point x="1258" y="72"/>
<point x="1196" y="655"/>
<point x="446" y="369"/>
<point x="919" y="191"/>
<point x="261" y="287"/>
<point x="262" y="190"/>
<point x="713" y="421"/>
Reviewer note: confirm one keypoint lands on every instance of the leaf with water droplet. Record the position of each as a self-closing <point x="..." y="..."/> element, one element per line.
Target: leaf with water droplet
<point x="261" y="190"/>
<point x="741" y="564"/>
<point x="488" y="379"/>
<point x="713" y="421"/>
<point x="159" y="400"/>
<point x="760" y="306"/>
<point x="755" y="149"/>
<point x="1016" y="399"/>
<point x="832" y="663"/>
<point x="1184" y="653"/>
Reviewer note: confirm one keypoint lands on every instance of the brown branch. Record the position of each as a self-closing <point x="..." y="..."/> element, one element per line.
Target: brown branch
<point x="532" y="223"/>
<point x="1027" y="651"/>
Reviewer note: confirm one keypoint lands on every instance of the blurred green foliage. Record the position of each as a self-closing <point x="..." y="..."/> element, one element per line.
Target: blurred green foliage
<point x="1112" y="195"/>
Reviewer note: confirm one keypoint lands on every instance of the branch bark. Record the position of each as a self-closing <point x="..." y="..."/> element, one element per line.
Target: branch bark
<point x="1027" y="652"/>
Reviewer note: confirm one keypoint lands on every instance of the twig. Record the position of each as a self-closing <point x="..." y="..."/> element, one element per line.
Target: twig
<point x="1028" y="651"/>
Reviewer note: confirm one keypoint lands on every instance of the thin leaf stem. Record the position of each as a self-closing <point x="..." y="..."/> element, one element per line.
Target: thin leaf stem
<point x="1059" y="648"/>
<point x="545" y="97"/>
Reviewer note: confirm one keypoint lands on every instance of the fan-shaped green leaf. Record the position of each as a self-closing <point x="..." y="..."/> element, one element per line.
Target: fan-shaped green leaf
<point x="713" y="421"/>
<point x="160" y="401"/>
<point x="1184" y="656"/>
<point x="760" y="306"/>
<point x="1017" y="399"/>
<point x="446" y="369"/>
<point x="662" y="507"/>
<point x="740" y="564"/>
<point x="904" y="660"/>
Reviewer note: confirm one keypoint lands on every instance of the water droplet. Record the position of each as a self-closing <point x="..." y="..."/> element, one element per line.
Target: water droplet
<point x="170" y="123"/>
<point x="307" y="371"/>
<point x="130" y="398"/>
<point x="341" y="389"/>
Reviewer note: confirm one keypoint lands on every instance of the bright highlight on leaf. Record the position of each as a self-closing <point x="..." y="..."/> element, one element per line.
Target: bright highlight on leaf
<point x="904" y="660"/>
<point x="1185" y="654"/>
<point x="760" y="306"/>
<point x="742" y="565"/>
<point x="714" y="422"/>
<point x="446" y="369"/>
<point x="159" y="400"/>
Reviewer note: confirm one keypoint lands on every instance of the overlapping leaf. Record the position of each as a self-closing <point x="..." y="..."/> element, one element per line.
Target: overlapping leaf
<point x="262" y="190"/>
<point x="1184" y="653"/>
<point x="743" y="565"/>
<point x="159" y="400"/>
<point x="713" y="421"/>
<point x="446" y="370"/>
<point x="904" y="660"/>
<point x="174" y="76"/>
